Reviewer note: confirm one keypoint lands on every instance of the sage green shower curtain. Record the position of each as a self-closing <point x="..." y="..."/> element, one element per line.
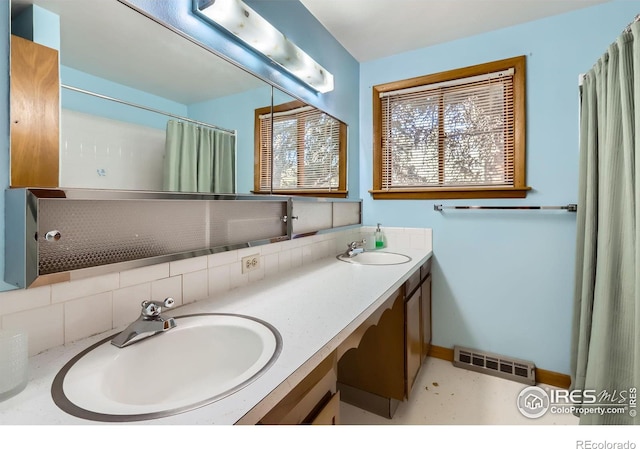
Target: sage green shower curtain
<point x="606" y="326"/>
<point x="198" y="159"/>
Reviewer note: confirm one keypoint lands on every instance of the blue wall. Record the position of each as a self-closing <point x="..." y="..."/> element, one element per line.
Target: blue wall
<point x="38" y="25"/>
<point x="503" y="281"/>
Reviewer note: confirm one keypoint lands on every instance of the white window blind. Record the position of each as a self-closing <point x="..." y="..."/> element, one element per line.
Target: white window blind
<point x="306" y="150"/>
<point x="447" y="134"/>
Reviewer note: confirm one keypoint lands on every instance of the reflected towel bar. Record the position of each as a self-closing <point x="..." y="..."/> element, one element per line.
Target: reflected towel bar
<point x="568" y="207"/>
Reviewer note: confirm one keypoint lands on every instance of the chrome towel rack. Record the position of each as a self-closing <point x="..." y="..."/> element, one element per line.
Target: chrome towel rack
<point x="568" y="207"/>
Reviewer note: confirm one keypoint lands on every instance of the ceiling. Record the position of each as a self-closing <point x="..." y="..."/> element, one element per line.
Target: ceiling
<point x="372" y="29"/>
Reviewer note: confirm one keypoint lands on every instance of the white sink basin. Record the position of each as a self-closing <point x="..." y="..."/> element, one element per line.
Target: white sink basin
<point x="203" y="359"/>
<point x="375" y="258"/>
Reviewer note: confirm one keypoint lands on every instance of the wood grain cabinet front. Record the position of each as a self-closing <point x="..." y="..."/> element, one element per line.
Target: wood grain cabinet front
<point x="413" y="339"/>
<point x="417" y="323"/>
<point x="35" y="114"/>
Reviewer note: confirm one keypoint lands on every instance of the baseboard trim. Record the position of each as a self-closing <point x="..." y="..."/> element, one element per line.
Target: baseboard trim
<point x="559" y="380"/>
<point x="440" y="352"/>
<point x="543" y="376"/>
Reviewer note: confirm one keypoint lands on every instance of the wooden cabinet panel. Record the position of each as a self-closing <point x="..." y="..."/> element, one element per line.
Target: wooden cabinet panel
<point x="35" y="112"/>
<point x="377" y="364"/>
<point x="413" y="343"/>
<point x="425" y="313"/>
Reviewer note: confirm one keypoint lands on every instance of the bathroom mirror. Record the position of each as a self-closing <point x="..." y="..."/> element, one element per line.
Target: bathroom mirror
<point x="112" y="50"/>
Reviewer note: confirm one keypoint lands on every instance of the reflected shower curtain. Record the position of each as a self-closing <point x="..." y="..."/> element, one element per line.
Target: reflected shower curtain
<point x="198" y="159"/>
<point x="606" y="326"/>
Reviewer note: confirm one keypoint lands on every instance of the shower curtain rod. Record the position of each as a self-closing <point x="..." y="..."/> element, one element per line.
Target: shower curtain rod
<point x="627" y="29"/>
<point x="157" y="111"/>
<point x="568" y="207"/>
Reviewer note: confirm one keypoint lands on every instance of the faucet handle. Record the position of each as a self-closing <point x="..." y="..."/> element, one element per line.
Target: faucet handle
<point x="356" y="244"/>
<point x="154" y="308"/>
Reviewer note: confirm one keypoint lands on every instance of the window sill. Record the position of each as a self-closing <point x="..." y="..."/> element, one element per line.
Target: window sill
<point x="315" y="193"/>
<point x="448" y="193"/>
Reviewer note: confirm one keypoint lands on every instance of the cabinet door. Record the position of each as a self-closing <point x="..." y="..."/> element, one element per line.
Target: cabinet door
<point x="413" y="339"/>
<point x="35" y="111"/>
<point x="425" y="313"/>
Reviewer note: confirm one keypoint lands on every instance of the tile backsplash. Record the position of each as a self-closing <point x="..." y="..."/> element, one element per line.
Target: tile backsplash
<point x="62" y="313"/>
<point x="101" y="153"/>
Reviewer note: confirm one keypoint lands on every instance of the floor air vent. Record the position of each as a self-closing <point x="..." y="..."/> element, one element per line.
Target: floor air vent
<point x="495" y="365"/>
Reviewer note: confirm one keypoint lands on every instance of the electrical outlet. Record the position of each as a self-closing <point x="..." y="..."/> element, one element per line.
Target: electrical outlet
<point x="250" y="263"/>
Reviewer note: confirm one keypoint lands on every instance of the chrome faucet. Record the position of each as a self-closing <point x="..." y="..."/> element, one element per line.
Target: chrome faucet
<point x="355" y="248"/>
<point x="149" y="323"/>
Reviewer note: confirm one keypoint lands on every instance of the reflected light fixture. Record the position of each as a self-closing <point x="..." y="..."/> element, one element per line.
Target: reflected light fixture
<point x="256" y="32"/>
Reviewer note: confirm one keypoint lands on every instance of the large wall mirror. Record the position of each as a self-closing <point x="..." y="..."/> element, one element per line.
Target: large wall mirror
<point x="117" y="139"/>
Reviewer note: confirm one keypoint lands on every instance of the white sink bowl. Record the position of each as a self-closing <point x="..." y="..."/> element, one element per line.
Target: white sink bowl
<point x="375" y="258"/>
<point x="203" y="359"/>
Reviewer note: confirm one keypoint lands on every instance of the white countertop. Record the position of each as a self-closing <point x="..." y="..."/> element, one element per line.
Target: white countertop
<point x="314" y="307"/>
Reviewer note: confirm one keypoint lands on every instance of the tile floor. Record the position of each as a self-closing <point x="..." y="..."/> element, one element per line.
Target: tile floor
<point x="444" y="394"/>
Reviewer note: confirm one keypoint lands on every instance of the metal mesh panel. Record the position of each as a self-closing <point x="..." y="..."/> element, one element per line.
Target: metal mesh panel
<point x="116" y="231"/>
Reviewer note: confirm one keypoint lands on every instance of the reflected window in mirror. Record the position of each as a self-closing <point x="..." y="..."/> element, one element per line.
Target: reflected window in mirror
<point x="307" y="154"/>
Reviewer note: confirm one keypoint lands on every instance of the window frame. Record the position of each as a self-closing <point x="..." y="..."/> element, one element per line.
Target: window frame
<point x="519" y="188"/>
<point x="340" y="192"/>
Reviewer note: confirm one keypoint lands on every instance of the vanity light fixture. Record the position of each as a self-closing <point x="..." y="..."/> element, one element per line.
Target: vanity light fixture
<point x="243" y="22"/>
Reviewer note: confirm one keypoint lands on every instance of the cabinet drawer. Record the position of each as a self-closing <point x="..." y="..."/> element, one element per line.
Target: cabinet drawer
<point x="307" y="397"/>
<point x="412" y="283"/>
<point x="329" y="415"/>
<point x="425" y="269"/>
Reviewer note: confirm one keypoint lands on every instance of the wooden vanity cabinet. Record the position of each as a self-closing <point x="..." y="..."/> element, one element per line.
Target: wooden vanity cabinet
<point x="417" y="322"/>
<point x="380" y="372"/>
<point x="35" y="114"/>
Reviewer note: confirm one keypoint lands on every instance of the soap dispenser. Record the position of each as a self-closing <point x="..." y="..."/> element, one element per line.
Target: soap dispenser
<point x="379" y="238"/>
